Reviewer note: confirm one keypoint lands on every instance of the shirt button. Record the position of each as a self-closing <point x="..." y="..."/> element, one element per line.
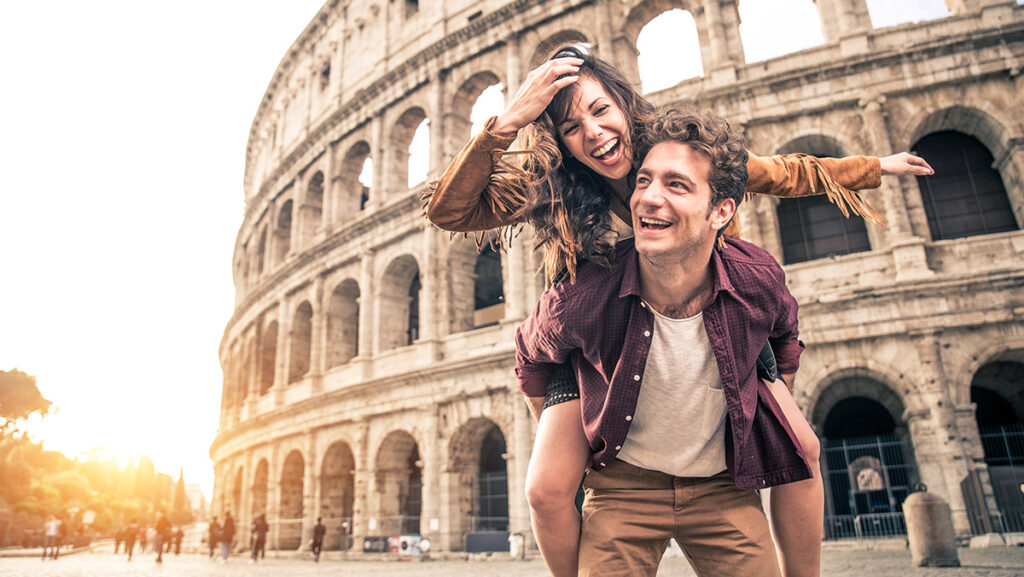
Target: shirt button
<point x="636" y="377"/>
<point x="603" y="465"/>
<point x="618" y="447"/>
<point x="647" y="333"/>
<point x="629" y="417"/>
<point x="643" y="305"/>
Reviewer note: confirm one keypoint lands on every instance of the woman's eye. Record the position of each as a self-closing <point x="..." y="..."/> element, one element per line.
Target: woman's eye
<point x="568" y="130"/>
<point x="601" y="109"/>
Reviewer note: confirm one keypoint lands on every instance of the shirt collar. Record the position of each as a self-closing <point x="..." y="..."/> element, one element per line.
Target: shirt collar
<point x="631" y="272"/>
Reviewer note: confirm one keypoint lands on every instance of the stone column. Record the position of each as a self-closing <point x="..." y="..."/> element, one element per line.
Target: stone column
<point x="378" y="150"/>
<point x="430" y="295"/>
<point x="936" y="436"/>
<point x="310" y="490"/>
<point x="367" y="302"/>
<point x="318" y="336"/>
<point x="438" y="100"/>
<point x="847" y="23"/>
<point x="362" y="484"/>
<point x="274" y="499"/>
<point x="284" y="327"/>
<point x="720" y="66"/>
<point x="433" y="462"/>
<point x="603" y="19"/>
<point x="908" y="250"/>
<point x="330" y="208"/>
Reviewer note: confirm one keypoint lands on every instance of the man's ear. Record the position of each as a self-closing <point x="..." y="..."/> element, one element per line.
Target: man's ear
<point x="722" y="213"/>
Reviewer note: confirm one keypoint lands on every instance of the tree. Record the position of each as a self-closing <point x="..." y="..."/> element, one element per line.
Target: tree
<point x="19" y="398"/>
<point x="181" y="511"/>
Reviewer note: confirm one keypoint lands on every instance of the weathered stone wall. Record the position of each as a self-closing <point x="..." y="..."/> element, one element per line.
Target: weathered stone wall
<point x="323" y="394"/>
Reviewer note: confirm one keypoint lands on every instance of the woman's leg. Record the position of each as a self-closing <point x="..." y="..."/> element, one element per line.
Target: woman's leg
<point x="798" y="509"/>
<point x="560" y="454"/>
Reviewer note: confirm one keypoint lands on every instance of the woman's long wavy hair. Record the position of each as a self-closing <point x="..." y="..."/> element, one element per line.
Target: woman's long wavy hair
<point x="568" y="203"/>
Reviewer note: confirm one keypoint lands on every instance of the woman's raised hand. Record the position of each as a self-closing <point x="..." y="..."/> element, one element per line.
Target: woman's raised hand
<point x="536" y="92"/>
<point x="905" y="163"/>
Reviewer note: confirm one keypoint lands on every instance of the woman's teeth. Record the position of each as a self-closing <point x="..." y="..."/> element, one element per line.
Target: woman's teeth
<point x="608" y="147"/>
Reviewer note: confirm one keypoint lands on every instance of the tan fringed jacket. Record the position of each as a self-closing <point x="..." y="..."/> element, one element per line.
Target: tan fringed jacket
<point x="462" y="200"/>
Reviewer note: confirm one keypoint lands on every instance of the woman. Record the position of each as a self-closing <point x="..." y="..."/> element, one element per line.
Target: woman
<point x="572" y="185"/>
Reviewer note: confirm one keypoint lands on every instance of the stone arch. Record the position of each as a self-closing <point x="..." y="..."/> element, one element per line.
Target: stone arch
<point x="352" y="194"/>
<point x="400" y="139"/>
<point x="546" y="46"/>
<point x="283" y="233"/>
<point x="675" y="31"/>
<point x="477" y="463"/>
<point x="867" y="455"/>
<point x="961" y="375"/>
<point x="399" y="484"/>
<point x="290" y="508"/>
<point x="398" y="324"/>
<point x="337" y="494"/>
<point x="811" y="227"/>
<point x="260" y="481"/>
<point x="343" y="323"/>
<point x="457" y="120"/>
<point x="997" y="393"/>
<point x="300" y="342"/>
<point x="853" y="381"/>
<point x="982" y="124"/>
<point x="268" y="357"/>
<point x="312" y="211"/>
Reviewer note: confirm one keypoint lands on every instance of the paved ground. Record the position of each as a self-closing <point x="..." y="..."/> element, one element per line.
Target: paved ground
<point x="993" y="562"/>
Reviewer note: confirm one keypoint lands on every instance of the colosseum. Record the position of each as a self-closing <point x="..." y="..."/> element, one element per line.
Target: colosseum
<point x="369" y="361"/>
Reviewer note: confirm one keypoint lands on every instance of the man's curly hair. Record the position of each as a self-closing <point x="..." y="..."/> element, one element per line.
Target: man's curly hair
<point x="707" y="133"/>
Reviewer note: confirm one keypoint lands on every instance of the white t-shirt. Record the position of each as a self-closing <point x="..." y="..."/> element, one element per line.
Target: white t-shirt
<point x="679" y="423"/>
<point x="53" y="528"/>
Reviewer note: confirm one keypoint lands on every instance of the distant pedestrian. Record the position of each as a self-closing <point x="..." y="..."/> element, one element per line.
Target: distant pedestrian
<point x="214" y="535"/>
<point x="163" y="535"/>
<point x="131" y="532"/>
<point x="259" y="538"/>
<point x="118" y="539"/>
<point x="51" y="540"/>
<point x="227" y="536"/>
<point x="179" y="535"/>
<point x="318" y="539"/>
<point x="143" y="539"/>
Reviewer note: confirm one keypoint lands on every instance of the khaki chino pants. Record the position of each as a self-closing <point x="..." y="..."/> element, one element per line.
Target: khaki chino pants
<point x="630" y="514"/>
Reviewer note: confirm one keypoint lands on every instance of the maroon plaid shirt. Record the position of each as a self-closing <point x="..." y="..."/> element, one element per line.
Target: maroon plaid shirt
<point x="604" y="327"/>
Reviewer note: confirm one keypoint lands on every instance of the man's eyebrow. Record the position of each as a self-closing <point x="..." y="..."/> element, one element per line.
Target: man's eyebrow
<point x="673" y="175"/>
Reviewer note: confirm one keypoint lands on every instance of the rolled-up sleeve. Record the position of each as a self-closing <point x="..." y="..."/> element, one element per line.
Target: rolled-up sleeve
<point x="785" y="335"/>
<point x="542" y="343"/>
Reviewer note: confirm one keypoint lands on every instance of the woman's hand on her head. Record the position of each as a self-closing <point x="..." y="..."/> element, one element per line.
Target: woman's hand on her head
<point x="536" y="92"/>
<point x="905" y="163"/>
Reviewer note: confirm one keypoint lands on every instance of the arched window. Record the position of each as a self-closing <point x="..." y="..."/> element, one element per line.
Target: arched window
<point x="413" y="332"/>
<point x="419" y="154"/>
<point x="965" y="196"/>
<point x="268" y="357"/>
<point x="885" y="13"/>
<point x="493" y="483"/>
<point x="812" y="227"/>
<point x="313" y="208"/>
<point x="343" y="324"/>
<point x="283" y="233"/>
<point x="997" y="390"/>
<point x="290" y="509"/>
<point x="767" y="35"/>
<point x="669" y="50"/>
<point x="301" y="338"/>
<point x="489" y="292"/>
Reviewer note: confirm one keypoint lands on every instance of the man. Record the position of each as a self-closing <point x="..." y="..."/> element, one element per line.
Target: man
<point x="259" y="536"/>
<point x="227" y="536"/>
<point x="131" y="532"/>
<point x="213" y="535"/>
<point x="318" y="539"/>
<point x="163" y="534"/>
<point x="51" y="543"/>
<point x="680" y="456"/>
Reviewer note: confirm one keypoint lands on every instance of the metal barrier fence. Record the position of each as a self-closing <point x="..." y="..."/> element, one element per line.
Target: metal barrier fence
<point x="868" y="526"/>
<point x="488" y="523"/>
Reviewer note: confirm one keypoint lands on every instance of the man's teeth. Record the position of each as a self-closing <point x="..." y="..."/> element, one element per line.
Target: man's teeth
<point x="653" y="222"/>
<point x="606" y="148"/>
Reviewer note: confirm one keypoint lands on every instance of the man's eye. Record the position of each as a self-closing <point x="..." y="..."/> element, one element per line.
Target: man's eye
<point x="642" y="181"/>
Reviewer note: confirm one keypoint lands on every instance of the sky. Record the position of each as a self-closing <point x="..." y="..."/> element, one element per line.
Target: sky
<point x="123" y="130"/>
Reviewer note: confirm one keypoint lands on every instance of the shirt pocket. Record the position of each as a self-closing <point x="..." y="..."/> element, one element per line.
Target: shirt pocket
<point x="714" y="411"/>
